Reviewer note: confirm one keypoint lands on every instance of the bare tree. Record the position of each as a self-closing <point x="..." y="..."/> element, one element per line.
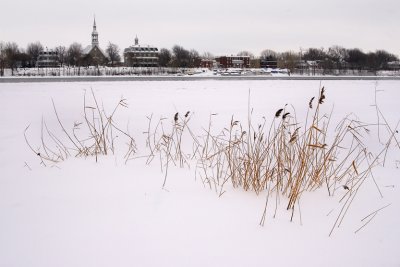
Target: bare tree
<point x="207" y="55"/>
<point x="180" y="57"/>
<point x="268" y="53"/>
<point x="113" y="53"/>
<point x="246" y="54"/>
<point x="23" y="59"/>
<point x="62" y="54"/>
<point x="74" y="54"/>
<point x="338" y="54"/>
<point x="314" y="54"/>
<point x="33" y="50"/>
<point x="288" y="59"/>
<point x="164" y="57"/>
<point x="2" y="58"/>
<point x="268" y="59"/>
<point x="11" y="51"/>
<point x="356" y="58"/>
<point x="194" y="59"/>
<point x="383" y="58"/>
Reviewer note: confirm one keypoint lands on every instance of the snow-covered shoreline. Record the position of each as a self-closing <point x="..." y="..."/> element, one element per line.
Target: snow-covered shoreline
<point x="191" y="78"/>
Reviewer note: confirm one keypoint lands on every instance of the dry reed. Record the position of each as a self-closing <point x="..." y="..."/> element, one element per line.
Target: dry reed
<point x="93" y="137"/>
<point x="282" y="160"/>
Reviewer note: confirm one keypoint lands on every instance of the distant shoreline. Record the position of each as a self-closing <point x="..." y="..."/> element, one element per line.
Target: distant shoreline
<point x="185" y="78"/>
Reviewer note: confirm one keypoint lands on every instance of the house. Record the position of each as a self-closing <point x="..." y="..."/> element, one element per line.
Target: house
<point x="48" y="58"/>
<point x="393" y="65"/>
<point x="233" y="61"/>
<point x="208" y="63"/>
<point x="268" y="62"/>
<point x="141" y="56"/>
<point x="93" y="54"/>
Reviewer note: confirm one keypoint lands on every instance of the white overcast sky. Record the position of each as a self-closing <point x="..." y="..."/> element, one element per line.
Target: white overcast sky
<point x="217" y="26"/>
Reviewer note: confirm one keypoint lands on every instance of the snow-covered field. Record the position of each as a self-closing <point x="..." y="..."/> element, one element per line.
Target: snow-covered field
<point x="111" y="213"/>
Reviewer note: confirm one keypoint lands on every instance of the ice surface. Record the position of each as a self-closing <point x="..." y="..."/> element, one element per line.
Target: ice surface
<point x="83" y="213"/>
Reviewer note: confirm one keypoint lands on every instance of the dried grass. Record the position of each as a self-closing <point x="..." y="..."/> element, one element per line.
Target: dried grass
<point x="93" y="137"/>
<point x="283" y="159"/>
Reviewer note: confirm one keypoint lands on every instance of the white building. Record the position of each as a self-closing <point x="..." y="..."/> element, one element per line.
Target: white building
<point x="141" y="56"/>
<point x="48" y="58"/>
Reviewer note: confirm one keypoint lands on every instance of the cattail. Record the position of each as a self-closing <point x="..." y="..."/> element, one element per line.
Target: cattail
<point x="278" y="113"/>
<point x="285" y="115"/>
<point x="187" y="114"/>
<point x="311" y="102"/>
<point x="322" y="96"/>
<point x="176" y="117"/>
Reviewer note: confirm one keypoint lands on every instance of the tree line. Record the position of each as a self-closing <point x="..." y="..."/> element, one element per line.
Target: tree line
<point x="13" y="56"/>
<point x="335" y="58"/>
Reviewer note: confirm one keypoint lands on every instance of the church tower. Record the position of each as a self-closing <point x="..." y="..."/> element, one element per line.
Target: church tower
<point x="95" y="35"/>
<point x="136" y="40"/>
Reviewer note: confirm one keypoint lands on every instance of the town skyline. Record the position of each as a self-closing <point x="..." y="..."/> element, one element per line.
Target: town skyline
<point x="219" y="28"/>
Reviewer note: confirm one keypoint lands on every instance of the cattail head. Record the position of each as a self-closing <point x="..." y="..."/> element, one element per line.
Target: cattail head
<point x="176" y="117"/>
<point x="311" y="102"/>
<point x="322" y="96"/>
<point x="285" y="115"/>
<point x="187" y="114"/>
<point x="278" y="113"/>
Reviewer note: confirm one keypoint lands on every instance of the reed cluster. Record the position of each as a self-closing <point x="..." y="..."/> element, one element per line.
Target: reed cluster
<point x="166" y="140"/>
<point x="281" y="159"/>
<point x="284" y="158"/>
<point x="94" y="136"/>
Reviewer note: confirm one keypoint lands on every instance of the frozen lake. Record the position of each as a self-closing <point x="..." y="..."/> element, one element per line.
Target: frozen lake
<point x="82" y="213"/>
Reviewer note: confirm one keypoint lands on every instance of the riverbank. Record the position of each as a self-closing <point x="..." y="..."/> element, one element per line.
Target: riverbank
<point x="186" y="78"/>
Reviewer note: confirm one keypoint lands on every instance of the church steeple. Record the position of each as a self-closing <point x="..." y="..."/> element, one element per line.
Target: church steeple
<point x="136" y="40"/>
<point x="95" y="35"/>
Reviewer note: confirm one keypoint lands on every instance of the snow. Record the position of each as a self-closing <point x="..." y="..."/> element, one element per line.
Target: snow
<point x="152" y="72"/>
<point x="82" y="213"/>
